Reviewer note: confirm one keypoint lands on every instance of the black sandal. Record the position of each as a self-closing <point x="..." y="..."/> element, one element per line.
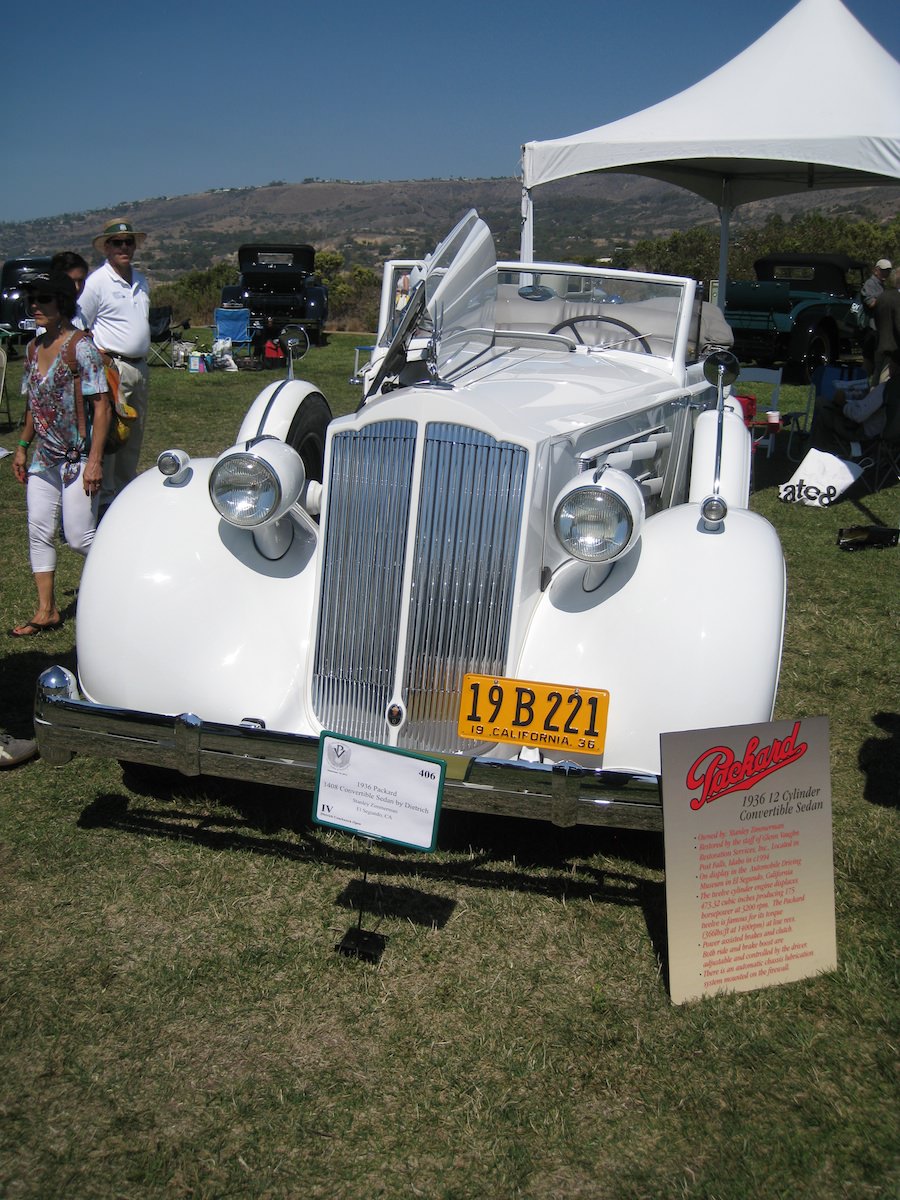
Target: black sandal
<point x="33" y="628"/>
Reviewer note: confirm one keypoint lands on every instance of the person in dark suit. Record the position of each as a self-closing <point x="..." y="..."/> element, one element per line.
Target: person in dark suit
<point x="887" y="323"/>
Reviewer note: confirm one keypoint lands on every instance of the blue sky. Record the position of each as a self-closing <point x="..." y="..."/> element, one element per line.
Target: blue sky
<point x="112" y="102"/>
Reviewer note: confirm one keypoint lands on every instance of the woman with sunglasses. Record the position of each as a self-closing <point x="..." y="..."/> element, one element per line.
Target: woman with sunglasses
<point x="69" y="422"/>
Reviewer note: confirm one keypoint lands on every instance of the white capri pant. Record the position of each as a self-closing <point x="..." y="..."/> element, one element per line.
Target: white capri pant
<point x="47" y="500"/>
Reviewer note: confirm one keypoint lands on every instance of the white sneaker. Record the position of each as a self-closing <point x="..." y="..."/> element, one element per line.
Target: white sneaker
<point x="15" y="750"/>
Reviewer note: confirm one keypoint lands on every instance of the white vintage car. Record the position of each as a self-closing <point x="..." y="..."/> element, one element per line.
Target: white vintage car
<point x="528" y="552"/>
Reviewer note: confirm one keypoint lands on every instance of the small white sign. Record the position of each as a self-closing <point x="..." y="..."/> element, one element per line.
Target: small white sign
<point x="749" y="871"/>
<point x="377" y="791"/>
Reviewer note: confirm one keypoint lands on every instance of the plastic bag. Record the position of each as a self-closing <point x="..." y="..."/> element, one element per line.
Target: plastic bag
<point x="820" y="480"/>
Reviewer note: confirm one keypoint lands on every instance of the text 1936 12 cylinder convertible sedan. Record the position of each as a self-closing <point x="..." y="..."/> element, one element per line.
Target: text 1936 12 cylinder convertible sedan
<point x="529" y="552"/>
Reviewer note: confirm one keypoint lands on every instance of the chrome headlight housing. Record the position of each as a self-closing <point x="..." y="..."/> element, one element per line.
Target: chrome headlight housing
<point x="598" y="515"/>
<point x="256" y="483"/>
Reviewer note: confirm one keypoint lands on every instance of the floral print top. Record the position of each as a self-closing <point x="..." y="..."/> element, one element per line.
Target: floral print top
<point x="51" y="398"/>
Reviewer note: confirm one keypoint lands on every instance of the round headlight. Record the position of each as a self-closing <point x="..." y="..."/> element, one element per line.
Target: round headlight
<point x="598" y="521"/>
<point x="244" y="489"/>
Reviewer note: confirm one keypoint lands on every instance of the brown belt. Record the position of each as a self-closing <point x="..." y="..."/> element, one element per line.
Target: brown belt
<point x="124" y="357"/>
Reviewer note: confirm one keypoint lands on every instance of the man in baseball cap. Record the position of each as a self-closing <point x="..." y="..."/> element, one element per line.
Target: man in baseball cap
<point x="871" y="290"/>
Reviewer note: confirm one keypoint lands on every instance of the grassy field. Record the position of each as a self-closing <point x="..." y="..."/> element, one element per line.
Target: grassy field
<point x="175" y="1022"/>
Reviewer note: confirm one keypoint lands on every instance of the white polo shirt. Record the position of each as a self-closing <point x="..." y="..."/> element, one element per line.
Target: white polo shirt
<point x="116" y="312"/>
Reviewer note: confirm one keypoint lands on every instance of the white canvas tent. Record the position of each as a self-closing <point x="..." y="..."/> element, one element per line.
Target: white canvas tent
<point x="752" y="129"/>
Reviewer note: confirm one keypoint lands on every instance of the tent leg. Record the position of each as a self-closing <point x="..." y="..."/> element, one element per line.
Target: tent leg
<point x="526" y="245"/>
<point x="724" y="223"/>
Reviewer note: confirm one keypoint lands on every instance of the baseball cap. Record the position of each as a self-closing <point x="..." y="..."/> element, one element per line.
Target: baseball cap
<point x="54" y="283"/>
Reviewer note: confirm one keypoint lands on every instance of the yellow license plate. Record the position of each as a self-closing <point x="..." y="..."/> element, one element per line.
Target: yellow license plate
<point x="545" y="716"/>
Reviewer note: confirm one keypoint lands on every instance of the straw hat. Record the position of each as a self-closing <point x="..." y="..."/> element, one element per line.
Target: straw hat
<point x="117" y="228"/>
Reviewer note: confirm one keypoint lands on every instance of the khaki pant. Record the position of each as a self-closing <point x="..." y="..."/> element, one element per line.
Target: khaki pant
<point x="120" y="468"/>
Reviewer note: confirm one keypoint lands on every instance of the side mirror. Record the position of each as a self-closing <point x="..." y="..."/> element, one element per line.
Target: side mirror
<point x="721" y="367"/>
<point x="295" y="343"/>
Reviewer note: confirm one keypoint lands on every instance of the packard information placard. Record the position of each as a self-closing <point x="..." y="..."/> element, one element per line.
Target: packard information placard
<point x="378" y="792"/>
<point x="749" y="869"/>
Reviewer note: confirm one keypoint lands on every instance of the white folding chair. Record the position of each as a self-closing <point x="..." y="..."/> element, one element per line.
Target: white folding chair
<point x="4" y="394"/>
<point x="798" y="424"/>
<point x="773" y="379"/>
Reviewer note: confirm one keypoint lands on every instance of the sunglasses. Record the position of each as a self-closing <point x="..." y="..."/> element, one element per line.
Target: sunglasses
<point x="42" y="298"/>
<point x="120" y="242"/>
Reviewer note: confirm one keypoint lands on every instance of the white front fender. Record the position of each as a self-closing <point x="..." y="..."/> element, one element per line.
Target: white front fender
<point x="734" y="473"/>
<point x="684" y="633"/>
<point x="179" y="612"/>
<point x="274" y="409"/>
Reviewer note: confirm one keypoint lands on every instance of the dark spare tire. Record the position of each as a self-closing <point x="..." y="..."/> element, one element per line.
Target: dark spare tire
<point x="307" y="434"/>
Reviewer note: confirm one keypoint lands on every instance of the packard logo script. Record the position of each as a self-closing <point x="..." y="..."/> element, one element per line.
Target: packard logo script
<point x="718" y="771"/>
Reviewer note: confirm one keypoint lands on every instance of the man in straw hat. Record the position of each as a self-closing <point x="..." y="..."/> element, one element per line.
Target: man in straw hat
<point x="115" y="307"/>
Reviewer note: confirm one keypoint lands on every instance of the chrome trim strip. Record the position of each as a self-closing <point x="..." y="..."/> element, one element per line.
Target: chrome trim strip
<point x="562" y="793"/>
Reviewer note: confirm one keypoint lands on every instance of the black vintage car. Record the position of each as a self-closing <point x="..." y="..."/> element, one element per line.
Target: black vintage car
<point x="797" y="311"/>
<point x="279" y="282"/>
<point x="14" y="312"/>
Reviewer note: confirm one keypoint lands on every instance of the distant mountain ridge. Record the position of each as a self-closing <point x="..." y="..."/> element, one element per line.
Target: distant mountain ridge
<point x="582" y="217"/>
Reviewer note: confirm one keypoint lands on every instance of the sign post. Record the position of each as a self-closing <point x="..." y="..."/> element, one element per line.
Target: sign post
<point x="749" y="870"/>
<point x="380" y="794"/>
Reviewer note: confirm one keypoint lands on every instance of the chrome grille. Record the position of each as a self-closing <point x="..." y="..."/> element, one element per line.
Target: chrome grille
<point x="365" y="546"/>
<point x="462" y="577"/>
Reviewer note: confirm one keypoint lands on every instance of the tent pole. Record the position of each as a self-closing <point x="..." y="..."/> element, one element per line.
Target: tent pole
<point x="724" y="222"/>
<point x="526" y="244"/>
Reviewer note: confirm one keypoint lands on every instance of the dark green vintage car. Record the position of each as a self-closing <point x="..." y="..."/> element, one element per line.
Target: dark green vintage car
<point x="797" y="310"/>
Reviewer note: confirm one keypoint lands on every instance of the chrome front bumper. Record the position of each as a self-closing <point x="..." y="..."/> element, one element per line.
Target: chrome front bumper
<point x="562" y="793"/>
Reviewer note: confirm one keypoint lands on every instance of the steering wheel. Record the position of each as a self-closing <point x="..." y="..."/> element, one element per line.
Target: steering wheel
<point x="536" y="291"/>
<point x="574" y="322"/>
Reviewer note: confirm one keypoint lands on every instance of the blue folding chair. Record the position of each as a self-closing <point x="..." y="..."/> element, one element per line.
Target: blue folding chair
<point x="234" y="323"/>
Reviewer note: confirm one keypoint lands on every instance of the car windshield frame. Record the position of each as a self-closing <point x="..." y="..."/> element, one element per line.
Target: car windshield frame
<point x="474" y="303"/>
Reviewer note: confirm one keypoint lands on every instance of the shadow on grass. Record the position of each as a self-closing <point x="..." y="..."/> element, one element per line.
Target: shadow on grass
<point x="491" y="853"/>
<point x="879" y="761"/>
<point x="19" y="674"/>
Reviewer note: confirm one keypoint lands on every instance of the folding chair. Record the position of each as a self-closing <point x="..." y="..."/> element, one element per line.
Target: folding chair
<point x="4" y="394"/>
<point x="233" y="323"/>
<point x="885" y="451"/>
<point x="773" y="378"/>
<point x="161" y="336"/>
<point x="799" y="423"/>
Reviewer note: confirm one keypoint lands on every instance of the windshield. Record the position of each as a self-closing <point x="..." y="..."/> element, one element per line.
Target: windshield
<point x="603" y="310"/>
<point x="472" y="305"/>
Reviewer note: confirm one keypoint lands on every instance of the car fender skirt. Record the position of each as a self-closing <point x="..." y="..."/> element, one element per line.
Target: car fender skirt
<point x="685" y="632"/>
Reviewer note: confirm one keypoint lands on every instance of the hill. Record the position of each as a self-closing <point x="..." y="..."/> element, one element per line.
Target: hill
<point x="584" y="217"/>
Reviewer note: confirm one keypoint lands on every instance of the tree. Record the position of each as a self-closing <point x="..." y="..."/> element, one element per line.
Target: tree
<point x="195" y="295"/>
<point x="695" y="252"/>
